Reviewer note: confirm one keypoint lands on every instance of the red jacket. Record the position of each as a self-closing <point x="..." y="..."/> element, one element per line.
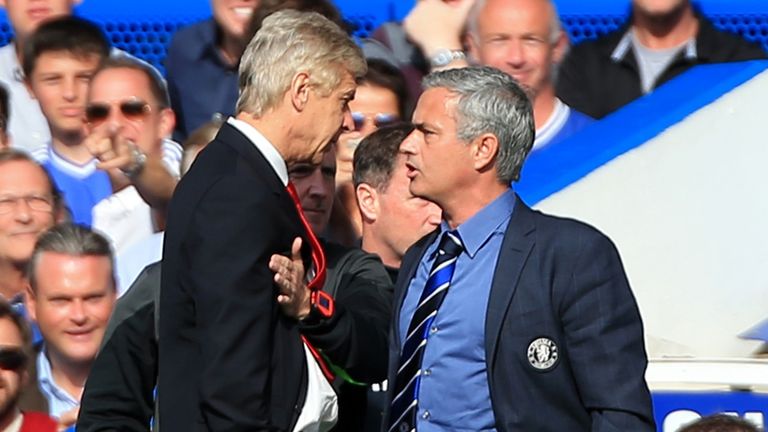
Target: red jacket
<point x="38" y="422"/>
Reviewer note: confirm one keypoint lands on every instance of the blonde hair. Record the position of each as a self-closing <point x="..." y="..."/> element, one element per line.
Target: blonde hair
<point x="290" y="42"/>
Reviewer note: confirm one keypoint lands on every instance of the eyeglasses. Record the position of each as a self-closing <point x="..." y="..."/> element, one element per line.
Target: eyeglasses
<point x="132" y="109"/>
<point x="12" y="358"/>
<point x="379" y="120"/>
<point x="35" y="202"/>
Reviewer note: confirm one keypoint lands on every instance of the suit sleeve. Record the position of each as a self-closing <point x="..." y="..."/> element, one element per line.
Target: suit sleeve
<point x="228" y="247"/>
<point x="604" y="339"/>
<point x="119" y="393"/>
<point x="355" y="337"/>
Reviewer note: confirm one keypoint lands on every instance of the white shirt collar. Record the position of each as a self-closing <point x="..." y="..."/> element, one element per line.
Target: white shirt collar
<point x="553" y="125"/>
<point x="264" y="146"/>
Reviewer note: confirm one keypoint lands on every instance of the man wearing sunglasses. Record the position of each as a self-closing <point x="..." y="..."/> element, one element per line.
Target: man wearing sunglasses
<point x="15" y="349"/>
<point x="128" y="118"/>
<point x="380" y="100"/>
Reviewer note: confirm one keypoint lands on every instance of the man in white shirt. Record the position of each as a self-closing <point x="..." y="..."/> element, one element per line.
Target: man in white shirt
<point x="128" y="117"/>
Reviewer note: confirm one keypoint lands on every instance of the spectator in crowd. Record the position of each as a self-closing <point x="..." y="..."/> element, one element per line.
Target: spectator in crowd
<point x="720" y="423"/>
<point x="661" y="40"/>
<point x="29" y="205"/>
<point x="60" y="58"/>
<point x="393" y="218"/>
<point x="202" y="65"/>
<point x="15" y="354"/>
<point x="231" y="364"/>
<point x="71" y="295"/>
<point x="4" y="140"/>
<point x="418" y="45"/>
<point x="524" y="38"/>
<point x="565" y="352"/>
<point x="128" y="118"/>
<point x="354" y="336"/>
<point x="381" y="99"/>
<point x="266" y="8"/>
<point x="27" y="127"/>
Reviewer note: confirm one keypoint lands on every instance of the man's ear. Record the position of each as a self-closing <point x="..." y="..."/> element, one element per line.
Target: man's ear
<point x="561" y="47"/>
<point x="485" y="148"/>
<point x="167" y="122"/>
<point x="367" y="202"/>
<point x="299" y="90"/>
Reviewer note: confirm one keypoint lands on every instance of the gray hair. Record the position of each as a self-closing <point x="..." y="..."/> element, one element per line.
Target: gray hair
<point x="490" y="101"/>
<point x="289" y="42"/>
<point x="555" y="26"/>
<point x="70" y="239"/>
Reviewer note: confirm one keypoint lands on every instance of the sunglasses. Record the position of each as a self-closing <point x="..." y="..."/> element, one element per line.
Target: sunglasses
<point x="12" y="358"/>
<point x="132" y="109"/>
<point x="379" y="120"/>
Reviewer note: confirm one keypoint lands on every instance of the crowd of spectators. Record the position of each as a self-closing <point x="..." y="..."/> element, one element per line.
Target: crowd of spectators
<point x="90" y="159"/>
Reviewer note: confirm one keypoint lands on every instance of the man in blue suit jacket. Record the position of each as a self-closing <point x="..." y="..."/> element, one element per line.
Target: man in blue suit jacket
<point x="537" y="329"/>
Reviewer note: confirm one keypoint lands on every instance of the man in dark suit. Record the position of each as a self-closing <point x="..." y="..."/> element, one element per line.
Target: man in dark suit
<point x="516" y="321"/>
<point x="228" y="359"/>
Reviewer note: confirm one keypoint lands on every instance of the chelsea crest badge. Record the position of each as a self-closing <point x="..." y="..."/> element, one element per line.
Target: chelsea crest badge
<point x="543" y="354"/>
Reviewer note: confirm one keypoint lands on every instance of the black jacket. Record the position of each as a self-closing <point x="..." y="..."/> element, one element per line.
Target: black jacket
<point x="596" y="78"/>
<point x="119" y="393"/>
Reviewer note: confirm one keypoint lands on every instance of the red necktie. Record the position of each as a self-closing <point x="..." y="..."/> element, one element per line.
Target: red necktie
<point x="318" y="256"/>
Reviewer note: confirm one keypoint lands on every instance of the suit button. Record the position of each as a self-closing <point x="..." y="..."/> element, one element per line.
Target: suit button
<point x="427" y="372"/>
<point x="433" y="330"/>
<point x="426" y="415"/>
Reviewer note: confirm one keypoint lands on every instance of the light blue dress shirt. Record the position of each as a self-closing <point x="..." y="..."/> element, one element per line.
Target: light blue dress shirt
<point x="454" y="393"/>
<point x="59" y="401"/>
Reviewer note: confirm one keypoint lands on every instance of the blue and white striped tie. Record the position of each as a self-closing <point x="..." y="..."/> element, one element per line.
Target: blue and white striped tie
<point x="404" y="406"/>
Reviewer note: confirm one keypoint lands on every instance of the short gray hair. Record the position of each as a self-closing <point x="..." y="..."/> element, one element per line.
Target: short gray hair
<point x="70" y="239"/>
<point x="288" y="42"/>
<point x="490" y="101"/>
<point x="555" y="26"/>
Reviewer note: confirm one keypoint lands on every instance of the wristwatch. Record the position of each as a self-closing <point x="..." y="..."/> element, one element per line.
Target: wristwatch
<point x="137" y="165"/>
<point x="321" y="306"/>
<point x="444" y="57"/>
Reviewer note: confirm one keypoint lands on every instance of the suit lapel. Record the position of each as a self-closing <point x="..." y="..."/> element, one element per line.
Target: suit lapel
<point x="515" y="249"/>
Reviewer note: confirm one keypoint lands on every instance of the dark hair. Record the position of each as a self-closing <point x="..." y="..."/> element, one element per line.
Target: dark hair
<point x="720" y="423"/>
<point x="265" y="8"/>
<point x="14" y="155"/>
<point x="382" y="74"/>
<point x="75" y="35"/>
<point x="69" y="239"/>
<point x="4" y="114"/>
<point x="375" y="157"/>
<point x="156" y="82"/>
<point x="7" y="312"/>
